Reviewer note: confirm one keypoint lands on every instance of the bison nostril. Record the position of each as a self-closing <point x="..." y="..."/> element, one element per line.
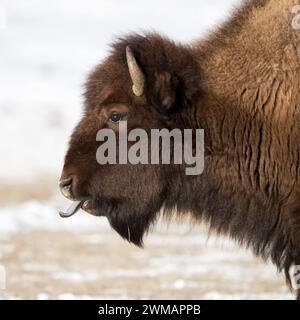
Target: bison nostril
<point x="65" y="186"/>
<point x="65" y="183"/>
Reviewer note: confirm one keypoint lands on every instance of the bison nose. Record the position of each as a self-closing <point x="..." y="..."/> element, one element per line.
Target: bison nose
<point x="65" y="186"/>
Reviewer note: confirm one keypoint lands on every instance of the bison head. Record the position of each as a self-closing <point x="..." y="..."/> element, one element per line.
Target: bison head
<point x="150" y="82"/>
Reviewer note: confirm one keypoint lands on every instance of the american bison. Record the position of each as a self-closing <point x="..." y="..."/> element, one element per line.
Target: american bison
<point x="241" y="85"/>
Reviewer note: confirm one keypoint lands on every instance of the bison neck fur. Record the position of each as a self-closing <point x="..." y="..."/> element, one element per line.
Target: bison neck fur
<point x="242" y="87"/>
<point x="250" y="111"/>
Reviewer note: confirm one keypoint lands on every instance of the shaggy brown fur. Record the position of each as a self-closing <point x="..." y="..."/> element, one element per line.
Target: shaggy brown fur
<point x="241" y="85"/>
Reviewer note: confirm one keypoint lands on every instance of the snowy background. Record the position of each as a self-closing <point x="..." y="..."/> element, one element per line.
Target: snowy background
<point x="46" y="51"/>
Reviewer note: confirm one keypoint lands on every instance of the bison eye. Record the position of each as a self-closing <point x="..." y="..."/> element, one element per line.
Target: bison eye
<point x="115" y="117"/>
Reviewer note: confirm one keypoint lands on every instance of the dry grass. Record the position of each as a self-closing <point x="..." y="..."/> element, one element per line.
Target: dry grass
<point x="173" y="265"/>
<point x="39" y="189"/>
<point x="52" y="264"/>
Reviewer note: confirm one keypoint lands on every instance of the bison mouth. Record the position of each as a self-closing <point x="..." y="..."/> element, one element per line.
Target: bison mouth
<point x="88" y="206"/>
<point x="131" y="224"/>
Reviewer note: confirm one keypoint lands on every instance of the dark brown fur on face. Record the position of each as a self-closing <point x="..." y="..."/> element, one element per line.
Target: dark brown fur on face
<point x="241" y="85"/>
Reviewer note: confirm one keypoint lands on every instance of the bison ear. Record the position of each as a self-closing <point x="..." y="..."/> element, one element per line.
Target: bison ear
<point x="164" y="89"/>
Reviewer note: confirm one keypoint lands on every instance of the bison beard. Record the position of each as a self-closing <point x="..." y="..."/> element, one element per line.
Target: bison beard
<point x="241" y="85"/>
<point x="129" y="223"/>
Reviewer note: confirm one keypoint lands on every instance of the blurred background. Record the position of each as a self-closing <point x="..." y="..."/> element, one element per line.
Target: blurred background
<point x="46" y="52"/>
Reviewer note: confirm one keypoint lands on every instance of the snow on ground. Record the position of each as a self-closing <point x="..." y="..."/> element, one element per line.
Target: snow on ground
<point x="43" y="215"/>
<point x="47" y="257"/>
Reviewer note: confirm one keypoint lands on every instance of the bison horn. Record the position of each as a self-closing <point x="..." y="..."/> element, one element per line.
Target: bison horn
<point x="136" y="74"/>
